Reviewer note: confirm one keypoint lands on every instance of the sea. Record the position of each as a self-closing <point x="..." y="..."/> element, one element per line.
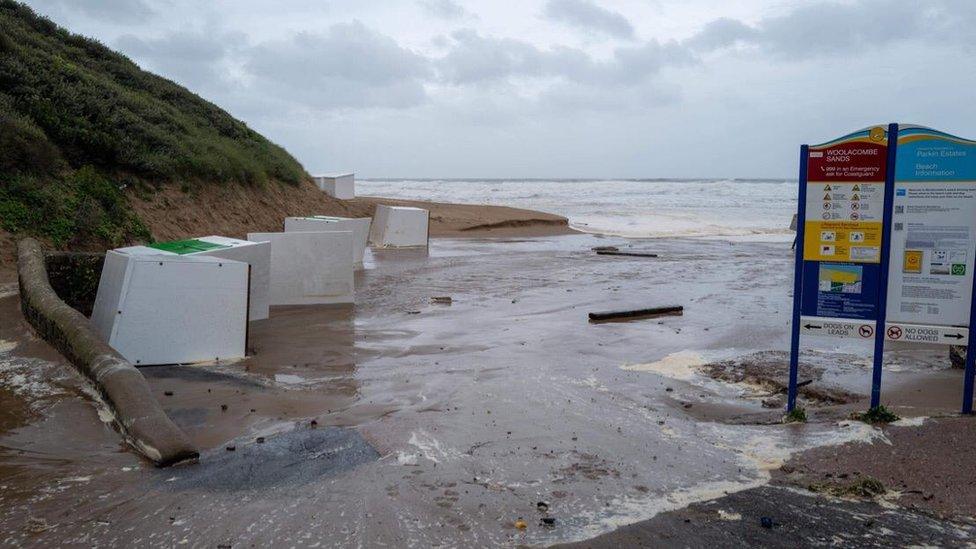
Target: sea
<point x="740" y="209"/>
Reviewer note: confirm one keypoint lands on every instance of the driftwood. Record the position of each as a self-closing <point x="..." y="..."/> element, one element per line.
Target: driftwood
<point x="636" y="314"/>
<point x="631" y="254"/>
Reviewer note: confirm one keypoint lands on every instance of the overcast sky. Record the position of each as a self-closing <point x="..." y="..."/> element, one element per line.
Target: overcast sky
<point x="554" y="88"/>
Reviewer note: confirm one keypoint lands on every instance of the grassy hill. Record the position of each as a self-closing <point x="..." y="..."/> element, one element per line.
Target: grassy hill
<point x="84" y="132"/>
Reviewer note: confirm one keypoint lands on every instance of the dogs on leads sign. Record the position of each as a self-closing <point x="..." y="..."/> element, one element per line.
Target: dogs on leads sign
<point x="845" y="196"/>
<point x="837" y="327"/>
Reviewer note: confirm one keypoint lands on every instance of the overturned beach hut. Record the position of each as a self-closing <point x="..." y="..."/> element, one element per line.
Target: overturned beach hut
<point x="399" y="227"/>
<point x="255" y="254"/>
<point x="310" y="268"/>
<point x="169" y="308"/>
<point x="339" y="185"/>
<point x="317" y="223"/>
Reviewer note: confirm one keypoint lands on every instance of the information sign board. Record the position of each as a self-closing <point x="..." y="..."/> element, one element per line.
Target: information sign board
<point x="933" y="236"/>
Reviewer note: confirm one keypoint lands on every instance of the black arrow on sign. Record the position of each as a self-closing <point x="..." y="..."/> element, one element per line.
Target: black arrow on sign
<point x="812" y="327"/>
<point x="954" y="336"/>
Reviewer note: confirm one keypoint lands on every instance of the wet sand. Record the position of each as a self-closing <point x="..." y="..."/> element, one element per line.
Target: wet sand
<point x="409" y="423"/>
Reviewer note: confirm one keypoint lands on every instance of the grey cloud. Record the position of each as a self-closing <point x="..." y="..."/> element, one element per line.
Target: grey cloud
<point x="829" y="27"/>
<point x="721" y="33"/>
<point x="632" y="65"/>
<point x="195" y="59"/>
<point x="593" y="98"/>
<point x="478" y="59"/>
<point x="118" y="11"/>
<point x="475" y="58"/>
<point x="349" y="65"/>
<point x="445" y="9"/>
<point x="587" y="15"/>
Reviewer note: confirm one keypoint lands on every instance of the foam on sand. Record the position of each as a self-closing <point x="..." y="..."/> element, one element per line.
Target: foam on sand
<point x="759" y="449"/>
<point x="682" y="365"/>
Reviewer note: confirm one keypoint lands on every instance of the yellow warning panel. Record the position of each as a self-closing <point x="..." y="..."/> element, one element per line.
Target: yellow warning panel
<point x="912" y="262"/>
<point x="856" y="241"/>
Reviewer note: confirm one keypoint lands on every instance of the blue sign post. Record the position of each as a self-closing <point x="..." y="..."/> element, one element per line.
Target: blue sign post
<point x="797" y="282"/>
<point x="879" y="331"/>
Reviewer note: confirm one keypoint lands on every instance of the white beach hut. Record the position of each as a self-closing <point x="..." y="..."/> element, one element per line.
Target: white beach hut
<point x="339" y="185"/>
<point x="310" y="268"/>
<point x="256" y="254"/>
<point x="317" y="223"/>
<point x="399" y="227"/>
<point x="168" y="308"/>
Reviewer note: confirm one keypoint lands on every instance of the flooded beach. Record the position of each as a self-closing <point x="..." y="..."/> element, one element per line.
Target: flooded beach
<point x="412" y="422"/>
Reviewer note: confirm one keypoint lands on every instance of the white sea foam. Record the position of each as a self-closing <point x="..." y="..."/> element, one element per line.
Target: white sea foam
<point x="431" y="448"/>
<point x="682" y="365"/>
<point x="759" y="449"/>
<point x="740" y="209"/>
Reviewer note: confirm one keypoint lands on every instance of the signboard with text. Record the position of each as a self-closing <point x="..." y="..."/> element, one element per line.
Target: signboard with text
<point x="887" y="243"/>
<point x="933" y="236"/>
<point x="845" y="182"/>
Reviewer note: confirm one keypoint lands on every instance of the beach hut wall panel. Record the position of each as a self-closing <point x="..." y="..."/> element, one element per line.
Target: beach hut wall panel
<point x="168" y="308"/>
<point x="399" y="227"/>
<point x="310" y="268"/>
<point x="339" y="185"/>
<point x="358" y="225"/>
<point x="255" y="254"/>
<point x="258" y="256"/>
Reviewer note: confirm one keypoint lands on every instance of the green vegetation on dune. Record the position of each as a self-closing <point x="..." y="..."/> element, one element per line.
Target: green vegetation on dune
<point x="82" y="207"/>
<point x="78" y="121"/>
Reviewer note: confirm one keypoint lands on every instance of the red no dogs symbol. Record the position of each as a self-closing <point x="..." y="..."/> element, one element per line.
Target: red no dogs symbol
<point x="894" y="332"/>
<point x="865" y="330"/>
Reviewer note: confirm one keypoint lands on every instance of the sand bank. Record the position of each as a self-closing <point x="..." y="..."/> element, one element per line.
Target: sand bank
<point x="235" y="210"/>
<point x="477" y="220"/>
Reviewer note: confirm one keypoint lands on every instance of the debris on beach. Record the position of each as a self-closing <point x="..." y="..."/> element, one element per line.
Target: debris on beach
<point x="599" y="249"/>
<point x="520" y="524"/>
<point x="628" y="254"/>
<point x="875" y="416"/>
<point x="636" y="314"/>
<point x="866" y="487"/>
<point x="767" y="370"/>
<point x="442" y="300"/>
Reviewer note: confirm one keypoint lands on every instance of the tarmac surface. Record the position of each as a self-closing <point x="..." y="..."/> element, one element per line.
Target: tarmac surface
<point x="404" y="422"/>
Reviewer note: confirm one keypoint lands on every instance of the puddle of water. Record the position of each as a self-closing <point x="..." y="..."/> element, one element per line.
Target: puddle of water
<point x="289" y="379"/>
